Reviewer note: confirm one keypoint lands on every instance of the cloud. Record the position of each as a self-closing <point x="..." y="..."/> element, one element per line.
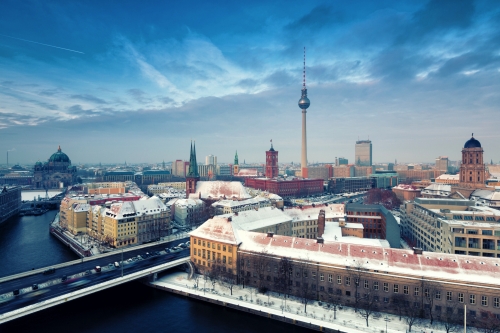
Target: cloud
<point x="319" y="17"/>
<point x="438" y="17"/>
<point x="139" y="95"/>
<point x="88" y="98"/>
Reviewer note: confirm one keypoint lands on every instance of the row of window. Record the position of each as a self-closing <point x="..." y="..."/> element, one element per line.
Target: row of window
<point x="224" y="248"/>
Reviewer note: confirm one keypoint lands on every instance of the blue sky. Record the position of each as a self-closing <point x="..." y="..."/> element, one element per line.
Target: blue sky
<point x="137" y="80"/>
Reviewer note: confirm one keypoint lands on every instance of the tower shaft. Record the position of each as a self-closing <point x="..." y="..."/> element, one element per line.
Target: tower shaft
<point x="303" y="161"/>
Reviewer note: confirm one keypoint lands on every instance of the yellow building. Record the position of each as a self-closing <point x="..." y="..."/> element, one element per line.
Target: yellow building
<point x="176" y="185"/>
<point x="73" y="215"/>
<point x="136" y="222"/>
<point x="214" y="245"/>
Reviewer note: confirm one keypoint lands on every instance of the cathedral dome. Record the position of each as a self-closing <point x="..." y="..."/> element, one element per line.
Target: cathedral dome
<point x="472" y="143"/>
<point x="59" y="156"/>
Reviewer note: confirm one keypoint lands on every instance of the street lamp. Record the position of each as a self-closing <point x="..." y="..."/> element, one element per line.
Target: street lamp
<point x="386" y="320"/>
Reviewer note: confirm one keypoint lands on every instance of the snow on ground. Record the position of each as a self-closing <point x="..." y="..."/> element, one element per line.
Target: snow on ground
<point x="347" y="320"/>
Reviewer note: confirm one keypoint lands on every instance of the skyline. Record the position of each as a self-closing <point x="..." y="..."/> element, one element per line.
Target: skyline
<point x="128" y="82"/>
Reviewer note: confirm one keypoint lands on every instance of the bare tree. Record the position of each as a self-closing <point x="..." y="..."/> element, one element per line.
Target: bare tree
<point x="450" y="318"/>
<point x="368" y="305"/>
<point x="430" y="291"/>
<point x="488" y="323"/>
<point x="412" y="310"/>
<point x="284" y="279"/>
<point x="356" y="273"/>
<point x="304" y="282"/>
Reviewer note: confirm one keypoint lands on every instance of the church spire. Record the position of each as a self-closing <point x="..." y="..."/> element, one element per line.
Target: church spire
<point x="193" y="166"/>
<point x="236" y="158"/>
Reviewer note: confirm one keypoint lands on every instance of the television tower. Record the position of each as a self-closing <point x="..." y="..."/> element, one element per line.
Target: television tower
<point x="304" y="104"/>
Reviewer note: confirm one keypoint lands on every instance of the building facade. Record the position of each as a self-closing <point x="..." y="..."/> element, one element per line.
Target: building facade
<point x="272" y="163"/>
<point x="363" y="153"/>
<point x="57" y="172"/>
<point x="472" y="169"/>
<point x="10" y="202"/>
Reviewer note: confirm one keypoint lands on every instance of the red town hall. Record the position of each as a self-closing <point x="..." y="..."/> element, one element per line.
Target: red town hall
<point x="280" y="186"/>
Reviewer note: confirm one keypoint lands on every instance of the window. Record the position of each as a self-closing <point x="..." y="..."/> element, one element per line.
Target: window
<point x="386" y="287"/>
<point x="224" y="248"/>
<point x="366" y="284"/>
<point x="484" y="300"/>
<point x="313" y="274"/>
<point x="321" y="288"/>
<point x="461" y="297"/>
<point x="416" y="291"/>
<point x="375" y="285"/>
<point x="305" y="274"/>
<point x="386" y="299"/>
<point x="339" y="292"/>
<point x="322" y="277"/>
<point x="330" y="278"/>
<point x="347" y="281"/>
<point x="356" y="281"/>
<point x="405" y="290"/>
<point x="297" y="284"/>
<point x="472" y="299"/>
<point x="496" y="302"/>
<point x="339" y="279"/>
<point x="330" y="290"/>
<point x="438" y="294"/>
<point x="396" y="288"/>
<point x="449" y="296"/>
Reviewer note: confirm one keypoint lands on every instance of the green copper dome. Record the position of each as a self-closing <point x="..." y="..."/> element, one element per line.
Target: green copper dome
<point x="59" y="156"/>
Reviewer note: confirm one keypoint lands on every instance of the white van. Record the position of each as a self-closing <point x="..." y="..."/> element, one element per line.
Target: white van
<point x="117" y="264"/>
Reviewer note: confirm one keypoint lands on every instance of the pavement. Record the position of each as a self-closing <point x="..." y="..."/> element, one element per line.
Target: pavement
<point x="347" y="319"/>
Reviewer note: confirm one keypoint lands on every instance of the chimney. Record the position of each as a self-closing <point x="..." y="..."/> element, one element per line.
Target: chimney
<point x="417" y="250"/>
<point x="321" y="223"/>
<point x="320" y="240"/>
<point x="270" y="234"/>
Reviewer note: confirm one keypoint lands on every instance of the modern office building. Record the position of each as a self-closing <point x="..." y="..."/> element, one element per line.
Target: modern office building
<point x="454" y="226"/>
<point x="363" y="153"/>
<point x="211" y="160"/>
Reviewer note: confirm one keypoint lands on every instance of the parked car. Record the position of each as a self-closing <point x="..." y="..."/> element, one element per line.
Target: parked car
<point x="98" y="269"/>
<point x="34" y="287"/>
<point x="117" y="264"/>
<point x="64" y="278"/>
<point x="49" y="271"/>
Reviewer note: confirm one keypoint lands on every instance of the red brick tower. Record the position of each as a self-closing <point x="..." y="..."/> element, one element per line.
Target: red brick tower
<point x="271" y="162"/>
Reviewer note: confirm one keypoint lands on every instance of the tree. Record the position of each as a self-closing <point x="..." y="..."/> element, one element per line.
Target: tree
<point x="356" y="273"/>
<point x="368" y="305"/>
<point x="284" y="279"/>
<point x="412" y="310"/>
<point x="488" y="323"/>
<point x="451" y="319"/>
<point x="305" y="283"/>
<point x="430" y="290"/>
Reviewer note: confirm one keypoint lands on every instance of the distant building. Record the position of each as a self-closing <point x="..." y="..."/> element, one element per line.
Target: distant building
<point x="406" y="192"/>
<point x="189" y="212"/>
<point x="472" y="169"/>
<point x="341" y="161"/>
<point x="10" y="202"/>
<point x="211" y="160"/>
<point x="448" y="179"/>
<point x="384" y="179"/>
<point x="324" y="172"/>
<point x="271" y="163"/>
<point x="363" y="153"/>
<point x="339" y="185"/>
<point x="442" y="163"/>
<point x="57" y="172"/>
<point x="232" y="206"/>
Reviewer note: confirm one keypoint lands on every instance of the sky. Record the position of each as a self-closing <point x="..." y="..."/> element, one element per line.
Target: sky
<point x="136" y="81"/>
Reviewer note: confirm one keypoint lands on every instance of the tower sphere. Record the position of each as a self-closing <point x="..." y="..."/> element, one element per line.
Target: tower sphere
<point x="304" y="101"/>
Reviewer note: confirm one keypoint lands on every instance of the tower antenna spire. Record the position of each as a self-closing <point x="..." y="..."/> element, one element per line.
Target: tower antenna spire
<point x="304" y="72"/>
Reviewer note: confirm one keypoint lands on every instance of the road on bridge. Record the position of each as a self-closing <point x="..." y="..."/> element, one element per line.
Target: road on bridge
<point x="82" y="275"/>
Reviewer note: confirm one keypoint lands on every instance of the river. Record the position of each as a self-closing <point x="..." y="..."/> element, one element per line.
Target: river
<point x="25" y="243"/>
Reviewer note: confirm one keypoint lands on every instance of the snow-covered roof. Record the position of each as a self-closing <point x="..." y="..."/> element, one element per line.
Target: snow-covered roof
<point x="82" y="207"/>
<point x="257" y="219"/>
<point x="406" y="187"/>
<point x="460" y="268"/>
<point x="136" y="208"/>
<point x="218" y="229"/>
<point x="309" y="212"/>
<point x="438" y="187"/>
<point x="234" y="203"/>
<point x="448" y="177"/>
<point x="188" y="202"/>
<point x="333" y="233"/>
<point x="220" y="189"/>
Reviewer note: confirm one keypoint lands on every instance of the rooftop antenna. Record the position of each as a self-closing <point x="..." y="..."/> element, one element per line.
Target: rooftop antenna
<point x="304" y="72"/>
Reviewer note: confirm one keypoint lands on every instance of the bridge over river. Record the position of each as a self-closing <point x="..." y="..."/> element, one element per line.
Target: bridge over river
<point x="35" y="290"/>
